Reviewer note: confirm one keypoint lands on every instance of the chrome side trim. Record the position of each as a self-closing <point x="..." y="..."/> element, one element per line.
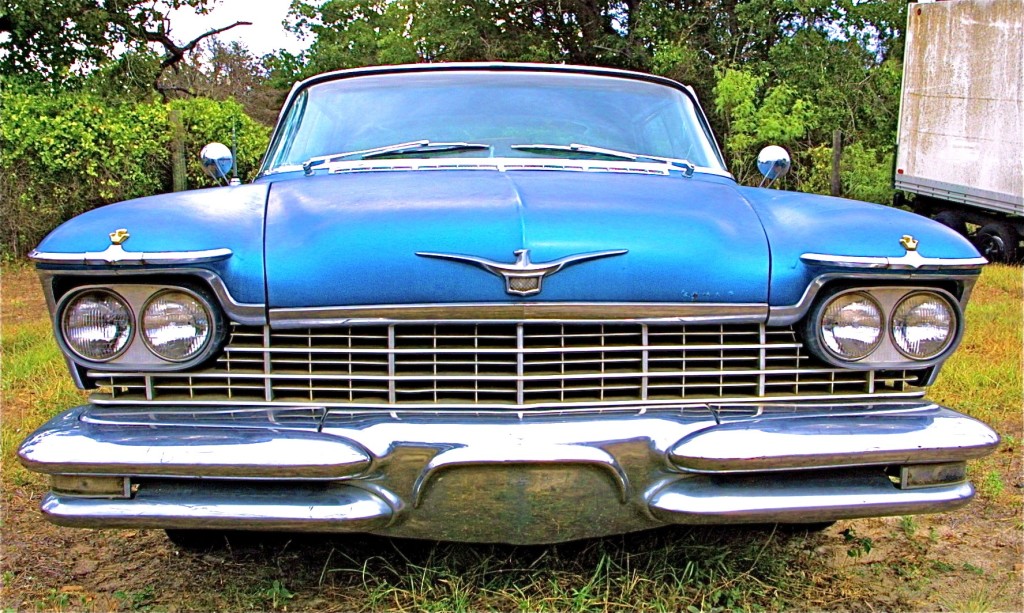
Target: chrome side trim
<point x="798" y="499"/>
<point x="912" y="260"/>
<point x="116" y="254"/>
<point x="296" y="508"/>
<point x="790" y="314"/>
<point x="250" y="314"/>
<point x="286" y="318"/>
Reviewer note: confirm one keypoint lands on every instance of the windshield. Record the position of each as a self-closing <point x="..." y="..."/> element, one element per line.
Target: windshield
<point x="503" y="111"/>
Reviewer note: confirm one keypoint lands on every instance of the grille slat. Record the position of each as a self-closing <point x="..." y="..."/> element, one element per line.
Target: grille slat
<point x="527" y="364"/>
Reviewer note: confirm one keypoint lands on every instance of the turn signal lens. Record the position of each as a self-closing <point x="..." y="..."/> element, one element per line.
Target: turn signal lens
<point x="176" y="325"/>
<point x="97" y="325"/>
<point x="851" y="326"/>
<point x="923" y="325"/>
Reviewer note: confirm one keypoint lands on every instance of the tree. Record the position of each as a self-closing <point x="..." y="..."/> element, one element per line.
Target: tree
<point x="222" y="71"/>
<point x="54" y="41"/>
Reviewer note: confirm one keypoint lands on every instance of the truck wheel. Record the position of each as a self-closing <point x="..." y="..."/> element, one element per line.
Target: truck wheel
<point x="997" y="242"/>
<point x="952" y="220"/>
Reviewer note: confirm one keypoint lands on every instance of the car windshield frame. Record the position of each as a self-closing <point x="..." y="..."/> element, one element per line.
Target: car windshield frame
<point x="281" y="155"/>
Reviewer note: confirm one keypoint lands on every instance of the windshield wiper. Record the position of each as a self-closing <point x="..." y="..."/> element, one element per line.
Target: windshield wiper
<point x="416" y="146"/>
<point x="685" y="165"/>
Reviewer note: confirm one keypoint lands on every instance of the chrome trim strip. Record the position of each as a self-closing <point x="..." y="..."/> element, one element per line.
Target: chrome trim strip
<point x="249" y="314"/>
<point x="286" y="318"/>
<point x="789" y="314"/>
<point x="339" y="509"/>
<point x="475" y="407"/>
<point x="803" y="499"/>
<point x="506" y="164"/>
<point x="115" y="254"/>
<point x="912" y="260"/>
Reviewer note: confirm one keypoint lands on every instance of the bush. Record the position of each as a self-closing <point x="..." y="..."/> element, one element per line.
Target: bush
<point x="64" y="154"/>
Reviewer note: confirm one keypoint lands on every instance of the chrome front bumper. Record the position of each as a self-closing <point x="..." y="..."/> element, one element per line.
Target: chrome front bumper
<point x="535" y="477"/>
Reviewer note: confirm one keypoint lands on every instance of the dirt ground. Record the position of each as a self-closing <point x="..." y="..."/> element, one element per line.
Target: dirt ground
<point x="969" y="560"/>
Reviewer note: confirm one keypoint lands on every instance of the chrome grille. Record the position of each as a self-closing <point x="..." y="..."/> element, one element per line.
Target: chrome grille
<point x="507" y="365"/>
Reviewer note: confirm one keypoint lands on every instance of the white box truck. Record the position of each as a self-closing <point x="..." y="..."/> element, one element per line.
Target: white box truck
<point x="960" y="155"/>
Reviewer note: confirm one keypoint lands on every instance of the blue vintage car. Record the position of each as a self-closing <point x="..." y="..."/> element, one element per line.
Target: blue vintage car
<point x="501" y="303"/>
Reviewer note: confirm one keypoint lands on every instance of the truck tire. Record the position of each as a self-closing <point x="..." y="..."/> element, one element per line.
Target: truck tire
<point x="952" y="220"/>
<point x="997" y="242"/>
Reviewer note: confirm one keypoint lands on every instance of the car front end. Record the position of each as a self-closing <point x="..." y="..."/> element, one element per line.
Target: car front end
<point x="501" y="303"/>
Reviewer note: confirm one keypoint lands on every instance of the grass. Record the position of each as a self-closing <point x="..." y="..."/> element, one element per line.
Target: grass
<point x="957" y="561"/>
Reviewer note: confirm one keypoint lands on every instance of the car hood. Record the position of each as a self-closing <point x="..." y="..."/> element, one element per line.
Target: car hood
<point x="353" y="238"/>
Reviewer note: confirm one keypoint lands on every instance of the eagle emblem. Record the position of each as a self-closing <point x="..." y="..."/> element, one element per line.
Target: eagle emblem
<point x="522" y="277"/>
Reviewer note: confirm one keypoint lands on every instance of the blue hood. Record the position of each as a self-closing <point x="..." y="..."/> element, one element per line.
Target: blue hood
<point x="798" y="223"/>
<point x="351" y="239"/>
<point x="221" y="217"/>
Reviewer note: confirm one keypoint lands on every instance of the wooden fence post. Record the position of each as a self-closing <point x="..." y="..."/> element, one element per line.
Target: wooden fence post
<point x="836" y="184"/>
<point x="179" y="178"/>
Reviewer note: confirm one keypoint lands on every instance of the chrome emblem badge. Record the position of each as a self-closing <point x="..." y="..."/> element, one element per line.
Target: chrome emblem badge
<point x="522" y="277"/>
<point x="119" y="236"/>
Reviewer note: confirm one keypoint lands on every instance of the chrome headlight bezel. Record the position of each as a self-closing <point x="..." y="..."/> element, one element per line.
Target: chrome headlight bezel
<point x="886" y="353"/>
<point x="137" y="355"/>
<point x="61" y="324"/>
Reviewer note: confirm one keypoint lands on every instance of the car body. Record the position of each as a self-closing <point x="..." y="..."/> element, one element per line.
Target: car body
<point x="501" y="303"/>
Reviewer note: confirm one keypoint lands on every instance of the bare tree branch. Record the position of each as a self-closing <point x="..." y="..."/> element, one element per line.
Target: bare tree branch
<point x="175" y="53"/>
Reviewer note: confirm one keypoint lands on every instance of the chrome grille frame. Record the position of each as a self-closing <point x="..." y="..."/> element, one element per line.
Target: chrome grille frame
<point x="507" y="365"/>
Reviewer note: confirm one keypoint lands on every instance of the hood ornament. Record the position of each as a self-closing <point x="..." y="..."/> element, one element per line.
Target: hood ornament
<point x="119" y="236"/>
<point x="522" y="277"/>
<point x="908" y="242"/>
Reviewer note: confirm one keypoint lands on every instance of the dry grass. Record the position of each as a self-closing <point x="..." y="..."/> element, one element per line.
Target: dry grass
<point x="968" y="560"/>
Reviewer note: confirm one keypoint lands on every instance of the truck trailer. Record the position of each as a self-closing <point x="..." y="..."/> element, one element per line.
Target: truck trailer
<point x="960" y="154"/>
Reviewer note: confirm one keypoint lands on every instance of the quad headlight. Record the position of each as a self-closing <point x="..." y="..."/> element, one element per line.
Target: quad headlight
<point x="884" y="326"/>
<point x="130" y="326"/>
<point x="97" y="325"/>
<point x="923" y="325"/>
<point x="176" y="325"/>
<point x="851" y="326"/>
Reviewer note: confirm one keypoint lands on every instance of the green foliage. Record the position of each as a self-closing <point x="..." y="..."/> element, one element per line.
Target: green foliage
<point x="68" y="153"/>
<point x="208" y="120"/>
<point x="857" y="545"/>
<point x="59" y="41"/>
<point x="755" y="119"/>
<point x="865" y="172"/>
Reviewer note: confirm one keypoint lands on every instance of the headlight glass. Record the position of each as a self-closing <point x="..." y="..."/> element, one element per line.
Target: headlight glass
<point x="176" y="325"/>
<point x="97" y="325"/>
<point x="851" y="326"/>
<point x="923" y="325"/>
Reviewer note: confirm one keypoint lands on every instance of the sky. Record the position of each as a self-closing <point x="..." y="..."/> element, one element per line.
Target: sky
<point x="266" y="34"/>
